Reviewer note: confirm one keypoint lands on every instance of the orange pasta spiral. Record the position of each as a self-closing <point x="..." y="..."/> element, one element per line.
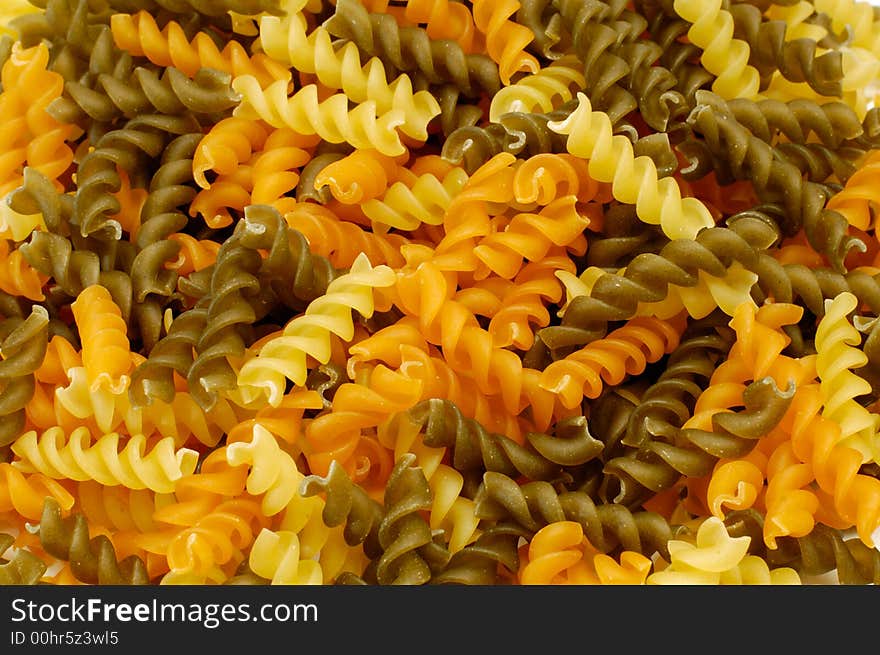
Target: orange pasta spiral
<point x="16" y="275"/>
<point x="106" y="351"/>
<point x="139" y="35"/>
<point x="341" y="241"/>
<point x="626" y="351"/>
<point x="505" y="40"/>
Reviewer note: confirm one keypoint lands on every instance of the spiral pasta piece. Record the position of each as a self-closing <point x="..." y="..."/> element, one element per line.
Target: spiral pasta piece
<point x="634" y="179"/>
<point x="717" y="558"/>
<point x="626" y="351"/>
<point x="276" y="556"/>
<point x="309" y="334"/>
<point x="837" y="355"/>
<point x="723" y="55"/>
<point x="362" y="127"/>
<point x="139" y="35"/>
<point x="104" y="335"/>
<point x="541" y="92"/>
<point x="75" y="457"/>
<point x="286" y="39"/>
<point x="505" y="40"/>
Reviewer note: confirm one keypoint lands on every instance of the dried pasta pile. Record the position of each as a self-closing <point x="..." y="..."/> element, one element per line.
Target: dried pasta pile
<point x="439" y="292"/>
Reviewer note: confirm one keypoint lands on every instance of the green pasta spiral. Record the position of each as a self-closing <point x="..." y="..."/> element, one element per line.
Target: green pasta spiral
<point x="92" y="560"/>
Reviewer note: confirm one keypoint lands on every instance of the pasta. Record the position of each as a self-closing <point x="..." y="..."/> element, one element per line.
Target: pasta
<point x="520" y="292"/>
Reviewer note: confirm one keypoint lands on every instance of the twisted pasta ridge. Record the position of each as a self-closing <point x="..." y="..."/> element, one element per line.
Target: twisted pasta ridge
<point x="277" y="557"/>
<point x="341" y="241"/>
<point x="522" y="302"/>
<point x="273" y="472"/>
<point x="93" y="561"/>
<point x="443" y="20"/>
<point x="22" y="568"/>
<point x="626" y="351"/>
<point x="634" y="179"/>
<point x="162" y="215"/>
<point x="716" y="558"/>
<point x="362" y="127"/>
<point x="104" y="334"/>
<point x="531" y="236"/>
<point x="489" y="560"/>
<point x="622" y="71"/>
<point x="337" y="434"/>
<point x="17" y="277"/>
<point x="715" y="253"/>
<point x="266" y="178"/>
<point x="119" y="508"/>
<point x="474" y="450"/>
<point x="824" y="550"/>
<point x="348" y="505"/>
<point x="451" y="511"/>
<point x="402" y="347"/>
<point x="773" y="50"/>
<point x="22" y="350"/>
<point x="409" y="553"/>
<point x="195" y="496"/>
<point x="153" y="378"/>
<point x="360" y="176"/>
<point x="856" y="16"/>
<point x="406" y="206"/>
<point x="465" y="345"/>
<point x="228" y="144"/>
<point x="75" y="457"/>
<point x="832" y="123"/>
<point x="819" y="163"/>
<point x="284" y="421"/>
<point x="775" y="180"/>
<point x="286" y="40"/>
<point x="140" y="138"/>
<point x="815" y="441"/>
<point x="854" y="200"/>
<point x="130" y="90"/>
<point x="182" y="420"/>
<point x="678" y="54"/>
<point x="723" y="55"/>
<point x="837" y="354"/>
<point x="309" y="334"/>
<point x="139" y="35"/>
<point x="414" y="50"/>
<point x="197" y="553"/>
<point x="610" y="528"/>
<point x="506" y="40"/>
<point x="789" y="282"/>
<point x="230" y="309"/>
<point x="35" y="138"/>
<point x="546" y="26"/>
<point x="559" y="554"/>
<point x="541" y="92"/>
<point x="692" y="451"/>
<point x="25" y="493"/>
<point x="214" y="9"/>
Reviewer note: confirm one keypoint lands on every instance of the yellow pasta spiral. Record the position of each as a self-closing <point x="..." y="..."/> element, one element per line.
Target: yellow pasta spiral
<point x="541" y="92"/>
<point x="634" y="179"/>
<point x="286" y="39"/>
<point x="362" y="127"/>
<point x="717" y="558"/>
<point x="75" y="457"/>
<point x="838" y="353"/>
<point x="284" y="356"/>
<point x="724" y="56"/>
<point x="277" y="557"/>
